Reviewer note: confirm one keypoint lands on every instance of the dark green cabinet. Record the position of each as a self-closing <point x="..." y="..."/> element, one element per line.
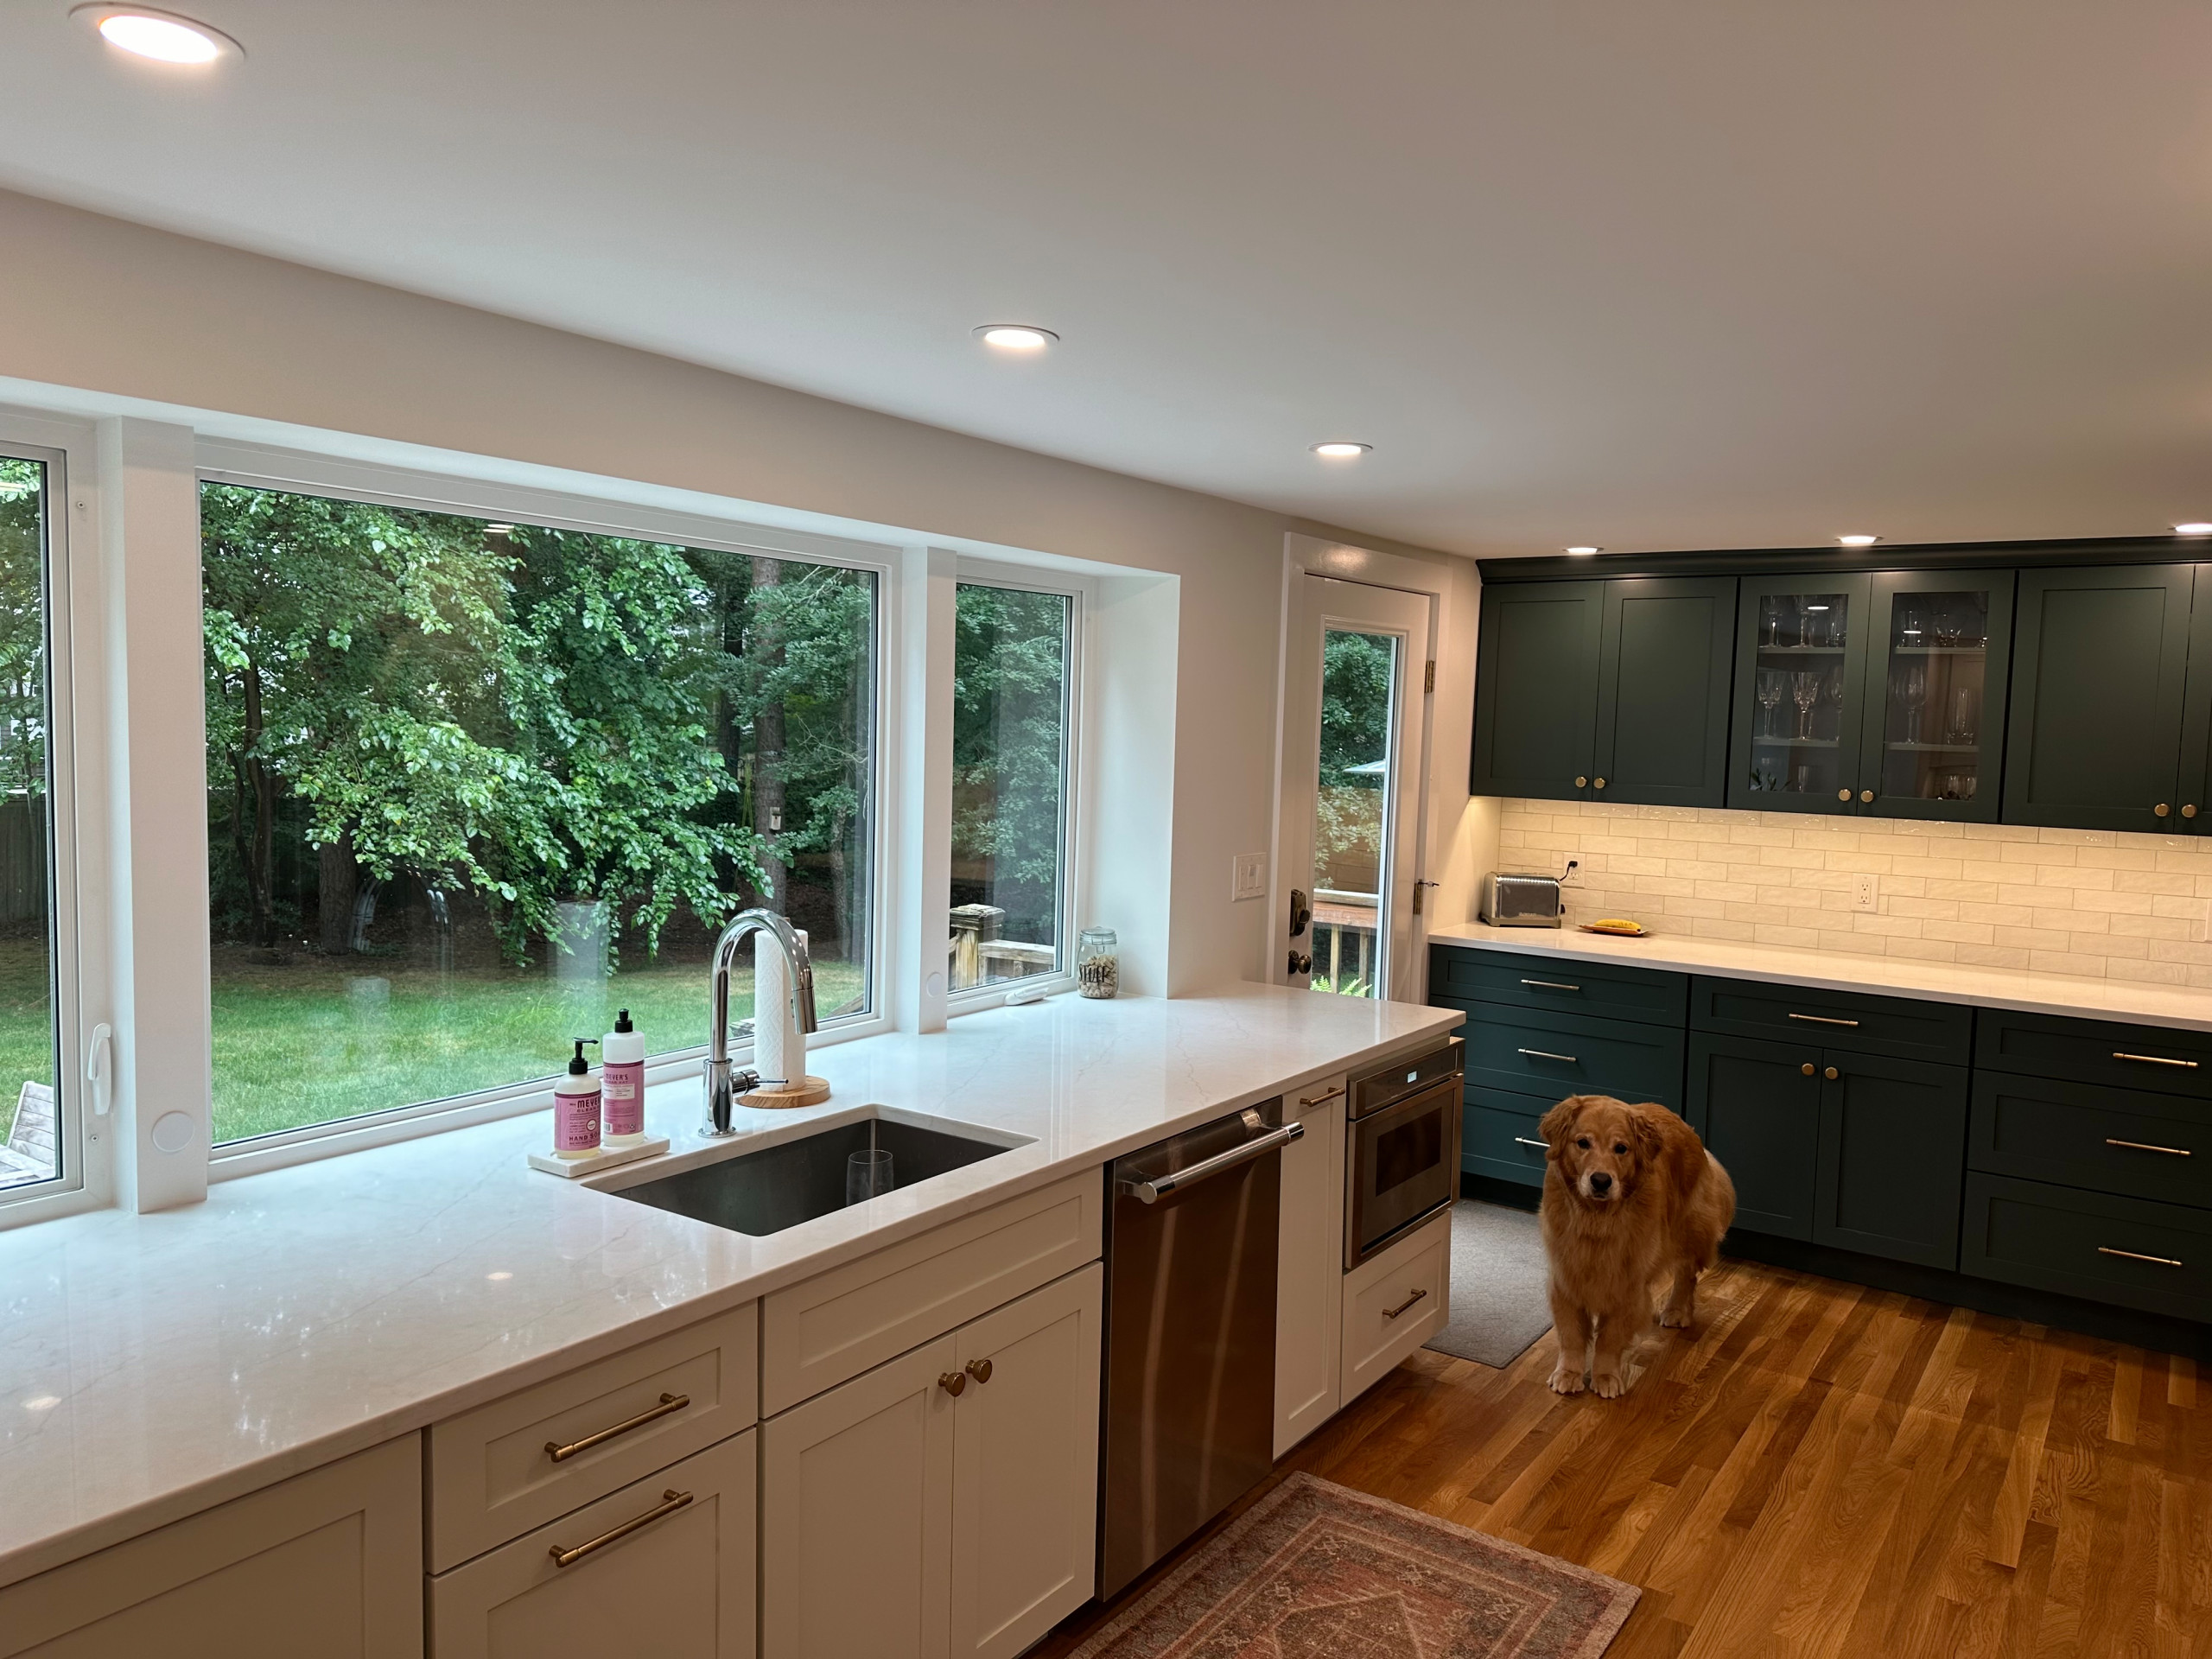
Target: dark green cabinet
<point x="2100" y="670"/>
<point x="1604" y="690"/>
<point x="1853" y="1150"/>
<point x="2196" y="786"/>
<point x="1800" y="682"/>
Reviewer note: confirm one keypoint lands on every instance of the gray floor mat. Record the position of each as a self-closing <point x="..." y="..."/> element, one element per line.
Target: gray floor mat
<point x="1499" y="1304"/>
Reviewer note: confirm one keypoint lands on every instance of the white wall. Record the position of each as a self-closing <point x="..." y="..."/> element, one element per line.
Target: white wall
<point x="98" y="305"/>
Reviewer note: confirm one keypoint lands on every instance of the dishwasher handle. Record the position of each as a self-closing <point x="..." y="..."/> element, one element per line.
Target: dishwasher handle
<point x="1160" y="1186"/>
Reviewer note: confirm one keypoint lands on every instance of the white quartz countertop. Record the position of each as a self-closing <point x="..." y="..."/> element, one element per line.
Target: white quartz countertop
<point x="1940" y="981"/>
<point x="153" y="1365"/>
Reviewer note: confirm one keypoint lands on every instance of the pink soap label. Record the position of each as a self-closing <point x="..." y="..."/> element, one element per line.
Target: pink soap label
<point x="623" y="1084"/>
<point x="576" y="1121"/>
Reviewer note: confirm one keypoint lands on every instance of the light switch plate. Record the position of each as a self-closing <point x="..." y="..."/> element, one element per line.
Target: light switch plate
<point x="1864" y="894"/>
<point x="1248" y="876"/>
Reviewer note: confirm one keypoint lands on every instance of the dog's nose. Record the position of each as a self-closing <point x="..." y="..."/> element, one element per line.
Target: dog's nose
<point x="1600" y="1182"/>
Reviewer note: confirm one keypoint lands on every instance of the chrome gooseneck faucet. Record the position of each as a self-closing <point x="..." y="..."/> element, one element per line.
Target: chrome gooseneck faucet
<point x="716" y="1076"/>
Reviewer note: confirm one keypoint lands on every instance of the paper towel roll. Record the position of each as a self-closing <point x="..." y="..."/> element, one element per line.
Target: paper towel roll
<point x="779" y="1046"/>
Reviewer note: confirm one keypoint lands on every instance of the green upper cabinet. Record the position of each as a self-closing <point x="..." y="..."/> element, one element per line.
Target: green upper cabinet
<point x="1940" y="647"/>
<point x="1604" y="690"/>
<point x="2195" y="790"/>
<point x="1663" y="691"/>
<point x="2099" y="691"/>
<point x="1536" y="689"/>
<point x="1800" y="686"/>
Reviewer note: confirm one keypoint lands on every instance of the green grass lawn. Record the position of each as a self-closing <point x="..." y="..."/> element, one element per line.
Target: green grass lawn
<point x="26" y="1023"/>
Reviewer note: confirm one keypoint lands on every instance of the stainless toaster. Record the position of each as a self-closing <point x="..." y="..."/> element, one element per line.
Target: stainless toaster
<point x="1512" y="901"/>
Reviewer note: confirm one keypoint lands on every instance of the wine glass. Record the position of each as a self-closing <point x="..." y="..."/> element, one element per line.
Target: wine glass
<point x="1912" y="693"/>
<point x="1805" y="692"/>
<point x="1770" y="700"/>
<point x="1770" y="620"/>
<point x="1961" y="728"/>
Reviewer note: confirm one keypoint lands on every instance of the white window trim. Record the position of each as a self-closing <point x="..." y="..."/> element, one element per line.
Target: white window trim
<point x="77" y="750"/>
<point x="1083" y="596"/>
<point x="302" y="472"/>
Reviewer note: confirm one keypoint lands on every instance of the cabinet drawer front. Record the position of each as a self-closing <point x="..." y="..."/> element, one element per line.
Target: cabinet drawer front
<point x="2140" y="1254"/>
<point x="1458" y="976"/>
<point x="1499" y="1136"/>
<point x="2120" y="1140"/>
<point x="1869" y="1025"/>
<point x="1554" y="1055"/>
<point x="686" y="1574"/>
<point x="493" y="1473"/>
<point x="2164" y="1061"/>
<point x="818" y="1333"/>
<point x="1394" y="1303"/>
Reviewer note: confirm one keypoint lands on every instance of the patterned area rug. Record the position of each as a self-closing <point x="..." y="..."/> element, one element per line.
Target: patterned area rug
<point x="1316" y="1570"/>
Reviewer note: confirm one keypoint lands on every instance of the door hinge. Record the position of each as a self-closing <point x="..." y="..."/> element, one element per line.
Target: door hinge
<point x="1428" y="680"/>
<point x="1418" y="886"/>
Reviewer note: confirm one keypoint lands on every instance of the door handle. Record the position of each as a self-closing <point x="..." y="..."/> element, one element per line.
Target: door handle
<point x="2145" y="1145"/>
<point x="2137" y="1256"/>
<point x="1551" y="985"/>
<point x="1393" y="1312"/>
<point x="979" y="1368"/>
<point x="1301" y="913"/>
<point x="1823" y="1019"/>
<point x="1317" y="1100"/>
<point x="2159" y="811"/>
<point x="1301" y="962"/>
<point x="1831" y="1074"/>
<point x="1523" y="1140"/>
<point x="670" y="1502"/>
<point x="99" y="1067"/>
<point x="953" y="1382"/>
<point x="1807" y="1068"/>
<point x="669" y="1403"/>
<point x="2152" y="1059"/>
<point x="1541" y="1054"/>
<point x="1160" y="1186"/>
<point x="1843" y="794"/>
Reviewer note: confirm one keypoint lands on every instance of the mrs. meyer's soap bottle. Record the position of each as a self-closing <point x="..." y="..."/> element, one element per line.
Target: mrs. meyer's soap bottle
<point x="622" y="1081"/>
<point x="576" y="1108"/>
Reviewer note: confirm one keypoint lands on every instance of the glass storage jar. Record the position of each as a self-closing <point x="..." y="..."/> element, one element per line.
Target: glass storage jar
<point x="1098" y="963"/>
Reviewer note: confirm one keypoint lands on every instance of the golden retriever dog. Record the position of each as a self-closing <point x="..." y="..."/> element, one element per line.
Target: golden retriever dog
<point x="1630" y="1196"/>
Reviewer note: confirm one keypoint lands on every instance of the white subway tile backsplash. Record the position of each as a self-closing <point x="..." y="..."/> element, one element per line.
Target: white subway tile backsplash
<point x="2085" y="902"/>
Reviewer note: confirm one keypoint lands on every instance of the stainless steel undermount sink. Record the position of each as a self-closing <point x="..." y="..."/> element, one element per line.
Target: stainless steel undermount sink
<point x="803" y="1178"/>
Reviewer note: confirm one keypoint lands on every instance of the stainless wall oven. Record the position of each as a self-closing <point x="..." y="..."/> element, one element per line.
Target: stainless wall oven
<point x="1402" y="1151"/>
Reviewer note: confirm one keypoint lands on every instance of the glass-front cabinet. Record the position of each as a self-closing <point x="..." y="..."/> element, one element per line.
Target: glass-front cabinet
<point x="1879" y="694"/>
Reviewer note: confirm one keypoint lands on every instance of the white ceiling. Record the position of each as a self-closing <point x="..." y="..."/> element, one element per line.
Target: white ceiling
<point x="1623" y="271"/>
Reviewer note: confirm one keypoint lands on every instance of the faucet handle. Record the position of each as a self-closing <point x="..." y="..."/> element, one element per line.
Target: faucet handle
<point x="744" y="1080"/>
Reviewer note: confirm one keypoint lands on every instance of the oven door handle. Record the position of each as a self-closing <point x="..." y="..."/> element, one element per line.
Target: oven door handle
<point x="1160" y="1186"/>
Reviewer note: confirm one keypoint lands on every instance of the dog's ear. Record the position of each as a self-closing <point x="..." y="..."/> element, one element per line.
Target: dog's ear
<point x="1670" y="1146"/>
<point x="1558" y="1123"/>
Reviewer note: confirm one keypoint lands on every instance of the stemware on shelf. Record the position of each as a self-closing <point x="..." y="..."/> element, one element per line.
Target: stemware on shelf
<point x="1771" y="690"/>
<point x="1805" y="692"/>
<point x="1770" y="620"/>
<point x="1912" y="695"/>
<point x="1960" y="726"/>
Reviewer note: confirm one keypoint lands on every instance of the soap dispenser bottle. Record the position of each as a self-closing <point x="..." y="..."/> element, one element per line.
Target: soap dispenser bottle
<point x="622" y="1081"/>
<point x="576" y="1108"/>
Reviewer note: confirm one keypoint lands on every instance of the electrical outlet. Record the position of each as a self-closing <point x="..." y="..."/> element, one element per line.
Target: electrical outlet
<point x="1864" y="895"/>
<point x="1248" y="876"/>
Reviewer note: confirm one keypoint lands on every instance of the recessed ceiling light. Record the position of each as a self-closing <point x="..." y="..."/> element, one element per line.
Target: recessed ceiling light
<point x="2193" y="530"/>
<point x="1858" y="541"/>
<point x="1016" y="336"/>
<point x="164" y="37"/>
<point x="1584" y="552"/>
<point x="1339" y="449"/>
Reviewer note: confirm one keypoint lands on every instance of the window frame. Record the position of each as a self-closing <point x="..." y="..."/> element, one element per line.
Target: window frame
<point x="79" y="969"/>
<point x="1082" y="594"/>
<point x="257" y="466"/>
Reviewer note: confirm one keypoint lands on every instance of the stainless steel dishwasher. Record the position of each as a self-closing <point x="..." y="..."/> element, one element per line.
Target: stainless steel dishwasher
<point x="1190" y="1333"/>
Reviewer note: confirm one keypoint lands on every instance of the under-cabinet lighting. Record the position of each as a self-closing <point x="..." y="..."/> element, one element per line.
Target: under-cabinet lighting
<point x="1583" y="552"/>
<point x="1858" y="541"/>
<point x="163" y="36"/>
<point x="2193" y="530"/>
<point x="1016" y="337"/>
<point x="1341" y="449"/>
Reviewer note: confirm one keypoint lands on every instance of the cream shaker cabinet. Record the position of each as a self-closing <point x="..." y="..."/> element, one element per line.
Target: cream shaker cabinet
<point x="328" y="1563"/>
<point x="944" y="1503"/>
<point x="1309" y="1277"/>
<point x="662" y="1569"/>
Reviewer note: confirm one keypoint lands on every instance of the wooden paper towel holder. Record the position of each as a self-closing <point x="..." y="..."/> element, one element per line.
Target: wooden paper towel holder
<point x="808" y="1091"/>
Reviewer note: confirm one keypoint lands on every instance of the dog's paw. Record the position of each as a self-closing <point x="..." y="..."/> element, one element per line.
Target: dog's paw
<point x="1564" y="1380"/>
<point x="1608" y="1385"/>
<point x="1679" y="1318"/>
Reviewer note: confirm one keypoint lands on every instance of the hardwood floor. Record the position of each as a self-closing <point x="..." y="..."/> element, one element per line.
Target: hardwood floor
<point x="1820" y="1469"/>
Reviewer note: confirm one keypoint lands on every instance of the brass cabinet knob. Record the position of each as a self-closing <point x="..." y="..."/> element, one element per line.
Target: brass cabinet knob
<point x="1807" y="1068"/>
<point x="1582" y="783"/>
<point x="2159" y="811"/>
<point x="2189" y="812"/>
<point x="1831" y="1074"/>
<point x="952" y="1382"/>
<point x="1866" y="795"/>
<point x="979" y="1370"/>
<point x="1843" y="794"/>
<point x="1597" y="783"/>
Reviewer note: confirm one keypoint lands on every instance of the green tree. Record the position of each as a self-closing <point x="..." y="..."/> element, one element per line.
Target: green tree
<point x="1008" y="719"/>
<point x="1358" y="676"/>
<point x="22" y="631"/>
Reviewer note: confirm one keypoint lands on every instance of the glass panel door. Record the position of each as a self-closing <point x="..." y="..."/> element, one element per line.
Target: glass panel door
<point x="1931" y="748"/>
<point x="1359" y="678"/>
<point x="1798" y="692"/>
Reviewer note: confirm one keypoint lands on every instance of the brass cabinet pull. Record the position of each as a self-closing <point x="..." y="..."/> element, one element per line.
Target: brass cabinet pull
<point x="1551" y="984"/>
<point x="1843" y="794"/>
<point x="1315" y="1100"/>
<point x="1807" y="1068"/>
<point x="1831" y="1074"/>
<point x="1393" y="1312"/>
<point x="2159" y="811"/>
<point x="2137" y="1256"/>
<point x="1824" y="1020"/>
<point x="2189" y="812"/>
<point x="2145" y="1145"/>
<point x="979" y="1370"/>
<point x="1597" y="783"/>
<point x="1582" y="783"/>
<point x="2154" y="1059"/>
<point x="1543" y="1054"/>
<point x="953" y="1382"/>
<point x="670" y="1502"/>
<point x="1523" y="1140"/>
<point x="1866" y="795"/>
<point x="669" y="1403"/>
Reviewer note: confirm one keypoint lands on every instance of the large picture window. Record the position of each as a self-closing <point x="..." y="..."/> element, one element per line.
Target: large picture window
<point x="34" y="1152"/>
<point x="1009" y="783"/>
<point x="474" y="785"/>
